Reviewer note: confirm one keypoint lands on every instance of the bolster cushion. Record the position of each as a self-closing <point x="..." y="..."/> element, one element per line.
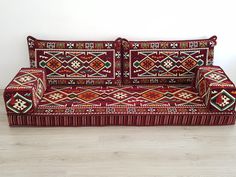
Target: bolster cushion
<point x="24" y="92"/>
<point x="216" y="89"/>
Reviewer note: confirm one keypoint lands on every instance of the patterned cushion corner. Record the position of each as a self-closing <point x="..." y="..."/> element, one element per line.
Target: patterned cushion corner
<point x="216" y="89"/>
<point x="77" y="62"/>
<point x="165" y="61"/>
<point x="222" y="99"/>
<point x="24" y="92"/>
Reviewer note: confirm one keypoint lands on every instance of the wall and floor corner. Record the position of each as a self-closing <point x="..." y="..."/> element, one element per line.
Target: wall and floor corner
<point x="107" y="20"/>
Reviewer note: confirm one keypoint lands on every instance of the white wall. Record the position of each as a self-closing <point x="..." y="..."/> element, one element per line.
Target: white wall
<point x="108" y="19"/>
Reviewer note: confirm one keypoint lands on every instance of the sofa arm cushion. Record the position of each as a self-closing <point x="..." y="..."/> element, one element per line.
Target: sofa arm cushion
<point x="23" y="93"/>
<point x="216" y="89"/>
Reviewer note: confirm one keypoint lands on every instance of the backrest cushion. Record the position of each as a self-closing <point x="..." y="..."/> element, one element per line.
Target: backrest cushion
<point x="77" y="62"/>
<point x="165" y="61"/>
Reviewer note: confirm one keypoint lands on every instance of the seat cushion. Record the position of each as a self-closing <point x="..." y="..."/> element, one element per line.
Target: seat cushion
<point x="141" y="99"/>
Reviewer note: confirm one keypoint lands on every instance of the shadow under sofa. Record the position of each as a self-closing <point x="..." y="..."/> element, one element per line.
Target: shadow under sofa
<point x="121" y="82"/>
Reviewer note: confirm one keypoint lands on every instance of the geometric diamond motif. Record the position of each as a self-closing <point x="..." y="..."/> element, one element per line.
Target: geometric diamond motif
<point x="120" y="95"/>
<point x="26" y="78"/>
<point x="75" y="64"/>
<point x="97" y="64"/>
<point x="53" y="64"/>
<point x="72" y="95"/>
<point x="147" y="64"/>
<point x="19" y="104"/>
<point x="216" y="76"/>
<point x="168" y="95"/>
<point x="222" y="100"/>
<point x="152" y="95"/>
<point x="189" y="63"/>
<point x="184" y="95"/>
<point x="88" y="96"/>
<point x="55" y="96"/>
<point x="168" y="63"/>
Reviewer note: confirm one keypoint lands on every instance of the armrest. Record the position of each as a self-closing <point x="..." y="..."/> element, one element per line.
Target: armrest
<point x="23" y="93"/>
<point x="216" y="89"/>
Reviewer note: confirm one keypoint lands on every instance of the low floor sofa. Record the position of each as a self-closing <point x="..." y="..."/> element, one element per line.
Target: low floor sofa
<point x="121" y="82"/>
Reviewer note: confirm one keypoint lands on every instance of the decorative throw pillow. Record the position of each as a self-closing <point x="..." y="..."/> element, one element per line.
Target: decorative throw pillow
<point x="77" y="62"/>
<point x="165" y="61"/>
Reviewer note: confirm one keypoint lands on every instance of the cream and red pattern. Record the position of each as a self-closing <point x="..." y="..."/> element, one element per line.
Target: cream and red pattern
<point x="25" y="91"/>
<point x="121" y="100"/>
<point x="165" y="61"/>
<point x="77" y="62"/>
<point x="216" y="89"/>
<point x="69" y="66"/>
<point x="127" y="105"/>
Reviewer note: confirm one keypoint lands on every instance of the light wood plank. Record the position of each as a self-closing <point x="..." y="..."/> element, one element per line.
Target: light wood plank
<point x="117" y="151"/>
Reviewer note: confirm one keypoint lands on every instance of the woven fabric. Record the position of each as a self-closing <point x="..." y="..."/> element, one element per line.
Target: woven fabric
<point x="78" y="83"/>
<point x="25" y="90"/>
<point x="165" y="61"/>
<point x="121" y="100"/>
<point x="127" y="105"/>
<point x="120" y="120"/>
<point x="217" y="90"/>
<point x="77" y="62"/>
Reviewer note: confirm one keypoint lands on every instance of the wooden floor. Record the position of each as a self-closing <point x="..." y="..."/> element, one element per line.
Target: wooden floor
<point x="117" y="151"/>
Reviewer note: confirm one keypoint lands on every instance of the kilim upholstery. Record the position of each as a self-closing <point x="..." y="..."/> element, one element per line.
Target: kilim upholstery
<point x="121" y="82"/>
<point x="165" y="61"/>
<point x="216" y="89"/>
<point x="24" y="92"/>
<point x="77" y="62"/>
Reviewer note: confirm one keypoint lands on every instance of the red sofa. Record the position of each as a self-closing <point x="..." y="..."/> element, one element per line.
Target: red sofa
<point x="121" y="82"/>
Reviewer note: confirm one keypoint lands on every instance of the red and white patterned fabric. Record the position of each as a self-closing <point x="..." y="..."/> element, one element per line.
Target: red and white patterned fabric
<point x="89" y="83"/>
<point x="165" y="61"/>
<point x="121" y="100"/>
<point x="24" y="92"/>
<point x="124" y="105"/>
<point x="77" y="62"/>
<point x="216" y="89"/>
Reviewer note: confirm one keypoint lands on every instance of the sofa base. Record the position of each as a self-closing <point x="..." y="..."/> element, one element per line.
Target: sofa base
<point x="126" y="120"/>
